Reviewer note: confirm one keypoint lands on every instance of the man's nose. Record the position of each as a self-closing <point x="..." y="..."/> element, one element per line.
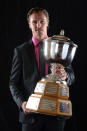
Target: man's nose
<point x="38" y="24"/>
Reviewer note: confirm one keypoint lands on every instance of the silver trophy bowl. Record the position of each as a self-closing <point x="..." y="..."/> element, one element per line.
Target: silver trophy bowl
<point x="59" y="49"/>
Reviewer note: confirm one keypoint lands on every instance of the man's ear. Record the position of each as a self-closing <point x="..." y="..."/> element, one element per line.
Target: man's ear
<point x="29" y="25"/>
<point x="47" y="24"/>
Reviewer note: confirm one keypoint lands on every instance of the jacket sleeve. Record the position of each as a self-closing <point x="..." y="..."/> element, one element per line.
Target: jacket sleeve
<point x="16" y="78"/>
<point x="70" y="75"/>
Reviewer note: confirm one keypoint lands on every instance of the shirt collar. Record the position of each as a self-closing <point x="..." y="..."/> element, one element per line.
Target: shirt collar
<point x="35" y="41"/>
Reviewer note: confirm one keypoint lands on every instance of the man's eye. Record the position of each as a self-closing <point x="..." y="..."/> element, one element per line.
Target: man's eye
<point x="42" y="21"/>
<point x="34" y="22"/>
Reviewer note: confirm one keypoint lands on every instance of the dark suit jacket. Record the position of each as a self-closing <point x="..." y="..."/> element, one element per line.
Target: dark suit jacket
<point x="25" y="75"/>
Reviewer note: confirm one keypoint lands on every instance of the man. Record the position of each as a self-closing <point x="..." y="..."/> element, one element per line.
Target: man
<point x="27" y="70"/>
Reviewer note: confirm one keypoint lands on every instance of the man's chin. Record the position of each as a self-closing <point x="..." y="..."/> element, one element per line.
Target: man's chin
<point x="39" y="36"/>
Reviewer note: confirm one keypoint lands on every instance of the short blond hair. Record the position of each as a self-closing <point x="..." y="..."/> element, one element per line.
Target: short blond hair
<point x="37" y="10"/>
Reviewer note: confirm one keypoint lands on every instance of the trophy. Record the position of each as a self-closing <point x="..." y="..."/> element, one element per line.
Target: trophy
<point x="51" y="94"/>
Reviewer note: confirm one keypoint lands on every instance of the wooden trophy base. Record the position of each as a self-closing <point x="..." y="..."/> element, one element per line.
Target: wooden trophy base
<point x="49" y="105"/>
<point x="50" y="98"/>
<point x="52" y="89"/>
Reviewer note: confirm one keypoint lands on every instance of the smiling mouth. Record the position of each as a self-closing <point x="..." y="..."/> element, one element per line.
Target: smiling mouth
<point x="39" y="30"/>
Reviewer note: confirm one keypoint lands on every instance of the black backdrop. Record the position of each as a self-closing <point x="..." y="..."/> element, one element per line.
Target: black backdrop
<point x="69" y="15"/>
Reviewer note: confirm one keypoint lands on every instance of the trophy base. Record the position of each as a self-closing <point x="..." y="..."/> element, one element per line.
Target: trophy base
<point x="49" y="105"/>
<point x="52" y="89"/>
<point x="50" y="98"/>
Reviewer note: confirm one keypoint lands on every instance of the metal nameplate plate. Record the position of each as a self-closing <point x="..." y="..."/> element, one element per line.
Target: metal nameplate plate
<point x="64" y="107"/>
<point x="33" y="103"/>
<point x="64" y="91"/>
<point x="48" y="105"/>
<point x="40" y="87"/>
<point x="51" y="89"/>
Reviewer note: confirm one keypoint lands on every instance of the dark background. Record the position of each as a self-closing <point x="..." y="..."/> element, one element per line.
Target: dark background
<point x="69" y="15"/>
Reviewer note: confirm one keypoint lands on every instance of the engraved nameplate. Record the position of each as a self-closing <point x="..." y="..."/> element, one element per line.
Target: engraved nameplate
<point x="64" y="107"/>
<point x="40" y="88"/>
<point x="33" y="102"/>
<point x="64" y="91"/>
<point x="51" y="89"/>
<point x="48" y="105"/>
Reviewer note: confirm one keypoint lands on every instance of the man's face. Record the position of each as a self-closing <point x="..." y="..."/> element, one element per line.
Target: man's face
<point x="38" y="24"/>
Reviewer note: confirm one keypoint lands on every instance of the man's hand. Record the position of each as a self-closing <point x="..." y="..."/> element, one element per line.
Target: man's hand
<point x="24" y="108"/>
<point x="60" y="71"/>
